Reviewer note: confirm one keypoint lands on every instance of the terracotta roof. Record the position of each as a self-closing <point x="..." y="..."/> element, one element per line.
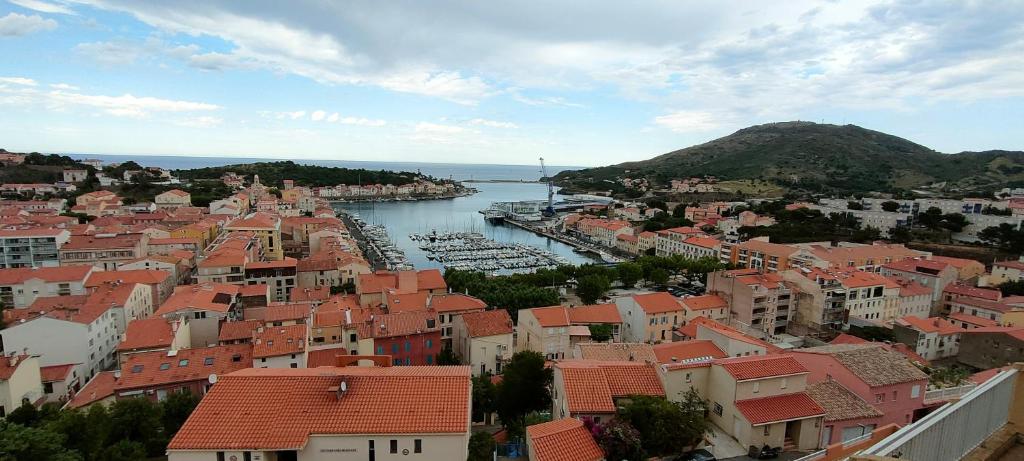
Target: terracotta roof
<point x="760" y="367"/>
<point x="404" y="323"/>
<point x="148" y="333"/>
<point x="74" y="308"/>
<point x="594" y="313"/>
<point x="281" y="264"/>
<point x="658" y="303"/>
<point x="563" y="440"/>
<point x="54" y="373"/>
<point x="684" y="351"/>
<point x="930" y="267"/>
<point x="1010" y="264"/>
<point x="958" y="263"/>
<point x="96" y="242"/>
<point x="6" y="369"/>
<point x="320" y="293"/>
<point x="488" y="323"/>
<point x="554" y="316"/>
<point x="98" y="388"/>
<point x="703" y="242"/>
<point x="930" y="325"/>
<point x="698" y="303"/>
<point x="995" y="306"/>
<point x="872" y="363"/>
<point x="972" y="292"/>
<point x="257" y="220"/>
<point x="278" y="409"/>
<point x="241" y="329"/>
<point x="620" y="352"/>
<point x="455" y="302"/>
<point x="840" y="255"/>
<point x="260" y="289"/>
<point x="276" y="341"/>
<point x="287" y="311"/>
<point x="143" y="276"/>
<point x="779" y="408"/>
<point x="158" y="368"/>
<point x="591" y="386"/>
<point x="973" y="319"/>
<point x="215" y="297"/>
<point x="839" y="403"/>
<point x="403" y="281"/>
<point x="48" y="274"/>
<point x="723" y="330"/>
<point x="985" y="375"/>
<point x="324" y="357"/>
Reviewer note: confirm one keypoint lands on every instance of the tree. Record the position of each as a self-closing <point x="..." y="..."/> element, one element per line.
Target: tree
<point x="590" y="288"/>
<point x="900" y="234"/>
<point x="138" y="420"/>
<point x="484" y="394"/>
<point x="1012" y="287"/>
<point x="890" y="206"/>
<point x="600" y="332"/>
<point x="481" y="447"/>
<point x="618" y="439"/>
<point x="176" y="408"/>
<point x="20" y="443"/>
<point x="665" y="428"/>
<point x="851" y="205"/>
<point x="658" y="276"/>
<point x="448" y="357"/>
<point x="1005" y="236"/>
<point x="629" y="273"/>
<point x="25" y="415"/>
<point x="85" y="433"/>
<point x="124" y="450"/>
<point x="954" y="222"/>
<point x="931" y="218"/>
<point x="525" y="387"/>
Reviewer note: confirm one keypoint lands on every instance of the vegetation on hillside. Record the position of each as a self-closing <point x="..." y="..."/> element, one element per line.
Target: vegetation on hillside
<point x="272" y="173"/>
<point x="816" y="158"/>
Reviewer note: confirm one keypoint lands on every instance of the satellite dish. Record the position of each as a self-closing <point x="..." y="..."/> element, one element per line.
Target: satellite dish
<point x="212" y="379"/>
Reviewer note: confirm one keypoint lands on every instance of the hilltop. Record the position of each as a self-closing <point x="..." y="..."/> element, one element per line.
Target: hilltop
<point x="305" y="175"/>
<point x="812" y="157"/>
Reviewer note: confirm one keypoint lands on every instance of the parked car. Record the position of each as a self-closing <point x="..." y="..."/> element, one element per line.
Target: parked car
<point x="697" y="455"/>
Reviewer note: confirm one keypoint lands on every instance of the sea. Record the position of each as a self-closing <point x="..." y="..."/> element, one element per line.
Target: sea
<point x="401" y="219"/>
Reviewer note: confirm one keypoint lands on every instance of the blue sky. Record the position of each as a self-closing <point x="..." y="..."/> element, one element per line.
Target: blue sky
<point x="579" y="82"/>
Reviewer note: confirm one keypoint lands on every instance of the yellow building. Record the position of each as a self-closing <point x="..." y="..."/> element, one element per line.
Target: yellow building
<point x="267" y="227"/>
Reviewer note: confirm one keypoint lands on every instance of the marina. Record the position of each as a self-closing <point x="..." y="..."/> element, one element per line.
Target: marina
<point x="472" y="251"/>
<point x="380" y="243"/>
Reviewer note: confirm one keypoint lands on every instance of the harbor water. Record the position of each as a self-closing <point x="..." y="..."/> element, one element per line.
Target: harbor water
<point x="458" y="215"/>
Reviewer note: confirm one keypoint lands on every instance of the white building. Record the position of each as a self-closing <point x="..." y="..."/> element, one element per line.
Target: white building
<point x="31" y="247"/>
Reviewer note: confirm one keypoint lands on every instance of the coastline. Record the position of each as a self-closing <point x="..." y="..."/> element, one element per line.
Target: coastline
<point x="465" y="193"/>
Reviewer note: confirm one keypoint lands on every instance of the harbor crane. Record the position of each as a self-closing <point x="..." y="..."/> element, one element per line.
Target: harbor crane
<point x="550" y="209"/>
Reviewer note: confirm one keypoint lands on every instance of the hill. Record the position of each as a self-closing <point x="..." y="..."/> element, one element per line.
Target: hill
<point x="273" y="173"/>
<point x="811" y="157"/>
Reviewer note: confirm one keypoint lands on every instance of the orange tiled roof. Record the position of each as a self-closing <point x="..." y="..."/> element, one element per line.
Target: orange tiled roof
<point x="54" y="373"/>
<point x="98" y="388"/>
<point x="159" y="368"/>
<point x="148" y="333"/>
<point x="565" y="439"/>
<point x="658" y="303"/>
<point x="278" y="409"/>
<point x="94" y="242"/>
<point x="143" y="276"/>
<point x="930" y="325"/>
<point x="258" y="220"/>
<point x="488" y="323"/>
<point x="276" y="341"/>
<point x="287" y="311"/>
<point x="241" y="329"/>
<point x="455" y="302"/>
<point x="6" y="369"/>
<point x="404" y="323"/>
<point x="760" y="367"/>
<point x="699" y="303"/>
<point x="625" y="352"/>
<point x="591" y="386"/>
<point x="216" y="297"/>
<point x="321" y="293"/>
<point x="48" y="274"/>
<point x="595" y="313"/>
<point x="973" y="319"/>
<point x="779" y="408"/>
<point x="324" y="357"/>
<point x="973" y="292"/>
<point x="683" y="351"/>
<point x="553" y="316"/>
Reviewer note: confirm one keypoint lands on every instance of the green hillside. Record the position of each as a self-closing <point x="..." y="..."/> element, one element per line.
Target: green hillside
<point x="815" y="157"/>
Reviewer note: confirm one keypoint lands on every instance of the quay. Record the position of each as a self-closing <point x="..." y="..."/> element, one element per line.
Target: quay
<point x="576" y="244"/>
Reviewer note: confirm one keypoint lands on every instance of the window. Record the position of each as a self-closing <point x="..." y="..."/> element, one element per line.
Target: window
<point x="394" y="446"/>
<point x="782" y="383"/>
<point x="208" y="361"/>
<point x="417" y="446"/>
<point x="372" y="454"/>
<point x="767" y="431"/>
<point x="136" y="368"/>
<point x="757" y="387"/>
<point x="718" y="409"/>
<point x="165" y="366"/>
<point x="236" y="358"/>
<point x="220" y="456"/>
<point x="183" y="363"/>
<point x="408" y="346"/>
<point x="380" y="350"/>
<point x="430" y="360"/>
<point x="895" y="394"/>
<point x="915" y="391"/>
<point x="879" y="398"/>
<point x="48" y="388"/>
<point x="394" y="348"/>
<point x="430" y="343"/>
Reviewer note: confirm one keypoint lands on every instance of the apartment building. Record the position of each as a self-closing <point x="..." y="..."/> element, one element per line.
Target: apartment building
<point x="105" y="251"/>
<point x="483" y="340"/>
<point x="649" y="317"/>
<point x="31" y="247"/>
<point x="603" y="231"/>
<point x="206" y="305"/>
<point x="410" y="338"/>
<point x="153" y="334"/>
<point x="932" y="338"/>
<point x="700" y="247"/>
<point x="372" y="288"/>
<point x="820" y="299"/>
<point x="279" y="275"/>
<point x="159" y="283"/>
<point x="279" y="346"/>
<point x="266" y="227"/>
<point x="759" y="254"/>
<point x="850" y="256"/>
<point x="707" y="306"/>
<point x="397" y="422"/>
<point x="1006" y="271"/>
<point x="669" y="242"/>
<point x="20" y="287"/>
<point x="934" y="274"/>
<point x="868" y="295"/>
<point x="763" y="302"/>
<point x="883" y="378"/>
<point x="173" y="199"/>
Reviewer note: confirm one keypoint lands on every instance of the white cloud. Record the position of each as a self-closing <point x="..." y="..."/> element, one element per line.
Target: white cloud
<point x="16" y="25"/>
<point x="688" y="121"/>
<point x="63" y="86"/>
<point x="112" y="53"/>
<point x="126" y="105"/>
<point x="204" y="121"/>
<point x="43" y="7"/>
<point x="291" y="115"/>
<point x="18" y="81"/>
<point x="437" y="133"/>
<point x="492" y="123"/>
<point x="333" y="118"/>
<point x="359" y="121"/>
<point x="318" y="115"/>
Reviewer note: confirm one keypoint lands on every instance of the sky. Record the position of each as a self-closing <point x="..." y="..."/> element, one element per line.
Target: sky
<point x="579" y="82"/>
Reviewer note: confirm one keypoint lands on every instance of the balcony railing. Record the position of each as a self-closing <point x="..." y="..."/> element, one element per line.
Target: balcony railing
<point x="948" y="393"/>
